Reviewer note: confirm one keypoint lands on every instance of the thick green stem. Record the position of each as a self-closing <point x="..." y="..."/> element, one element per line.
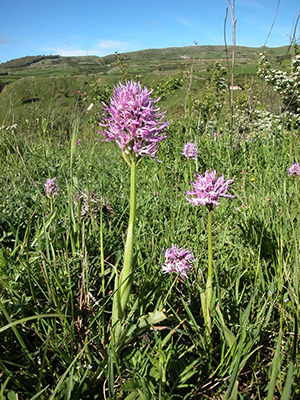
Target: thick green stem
<point x="102" y="265"/>
<point x="123" y="281"/>
<point x="210" y="264"/>
<point x="191" y="176"/>
<point x="206" y="295"/>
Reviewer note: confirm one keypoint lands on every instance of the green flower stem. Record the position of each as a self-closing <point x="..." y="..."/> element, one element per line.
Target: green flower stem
<point x="210" y="264"/>
<point x="51" y="204"/>
<point x="102" y="265"/>
<point x="191" y="176"/>
<point x="128" y="253"/>
<point x="206" y="295"/>
<point x="123" y="282"/>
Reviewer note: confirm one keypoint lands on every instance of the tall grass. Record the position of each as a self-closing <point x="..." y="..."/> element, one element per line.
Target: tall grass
<point x="57" y="270"/>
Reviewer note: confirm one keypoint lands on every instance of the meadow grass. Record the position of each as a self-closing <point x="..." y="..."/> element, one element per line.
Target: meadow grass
<point x="58" y="263"/>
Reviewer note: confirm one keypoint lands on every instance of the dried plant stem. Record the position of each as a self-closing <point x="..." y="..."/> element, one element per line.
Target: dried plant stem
<point x="233" y="20"/>
<point x="231" y="84"/>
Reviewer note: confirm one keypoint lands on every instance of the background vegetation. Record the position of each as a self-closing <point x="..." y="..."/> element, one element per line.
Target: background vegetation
<point x="47" y="85"/>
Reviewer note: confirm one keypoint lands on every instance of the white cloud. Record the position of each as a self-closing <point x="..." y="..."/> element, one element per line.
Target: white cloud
<point x="70" y="51"/>
<point x="102" y="48"/>
<point x="111" y="44"/>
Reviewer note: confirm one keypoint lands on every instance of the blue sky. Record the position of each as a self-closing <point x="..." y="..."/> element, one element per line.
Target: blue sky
<point x="102" y="27"/>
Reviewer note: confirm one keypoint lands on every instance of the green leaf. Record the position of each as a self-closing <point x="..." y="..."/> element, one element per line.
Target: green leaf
<point x="289" y="378"/>
<point x="229" y="336"/>
<point x="23" y="320"/>
<point x="44" y="228"/>
<point x="12" y="396"/>
<point x="152" y="318"/>
<point x="275" y="368"/>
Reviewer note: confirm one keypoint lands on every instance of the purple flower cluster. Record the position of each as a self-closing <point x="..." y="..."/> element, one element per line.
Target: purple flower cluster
<point x="190" y="151"/>
<point x="178" y="260"/>
<point x="208" y="189"/>
<point x="132" y="121"/>
<point x="51" y="187"/>
<point x="294" y="169"/>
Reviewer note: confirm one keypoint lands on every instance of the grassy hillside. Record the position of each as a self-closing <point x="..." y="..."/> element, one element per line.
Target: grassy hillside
<point x="143" y="61"/>
<point x="35" y="85"/>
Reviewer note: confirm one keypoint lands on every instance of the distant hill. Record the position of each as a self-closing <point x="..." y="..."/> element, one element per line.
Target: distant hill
<point x="55" y="80"/>
<point x="26" y="61"/>
<point x="143" y="61"/>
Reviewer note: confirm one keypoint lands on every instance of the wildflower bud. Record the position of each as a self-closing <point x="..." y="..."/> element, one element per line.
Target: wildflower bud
<point x="51" y="187"/>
